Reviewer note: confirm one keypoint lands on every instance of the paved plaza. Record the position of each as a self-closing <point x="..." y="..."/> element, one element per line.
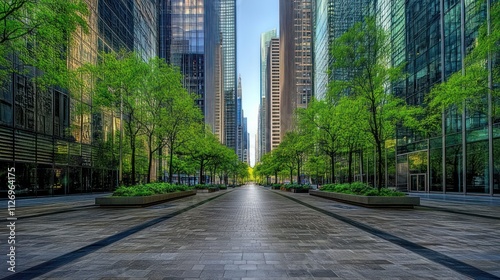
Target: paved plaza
<point x="254" y="232"/>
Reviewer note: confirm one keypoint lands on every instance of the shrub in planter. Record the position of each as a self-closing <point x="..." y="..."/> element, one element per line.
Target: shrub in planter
<point x="149" y="189"/>
<point x="358" y="188"/>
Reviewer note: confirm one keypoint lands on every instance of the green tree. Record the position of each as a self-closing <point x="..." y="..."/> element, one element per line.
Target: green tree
<point x="320" y="121"/>
<point x="362" y="53"/>
<point x="119" y="83"/>
<point x="38" y="33"/>
<point x="167" y="111"/>
<point x="291" y="152"/>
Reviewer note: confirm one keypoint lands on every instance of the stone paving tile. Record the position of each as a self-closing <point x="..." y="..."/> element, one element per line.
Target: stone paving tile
<point x="252" y="233"/>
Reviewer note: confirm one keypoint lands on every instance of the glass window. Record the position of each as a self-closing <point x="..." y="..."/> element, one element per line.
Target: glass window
<point x="477" y="167"/>
<point x="454" y="168"/>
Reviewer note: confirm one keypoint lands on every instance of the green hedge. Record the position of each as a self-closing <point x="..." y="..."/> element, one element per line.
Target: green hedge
<point x="150" y="189"/>
<point x="359" y="188"/>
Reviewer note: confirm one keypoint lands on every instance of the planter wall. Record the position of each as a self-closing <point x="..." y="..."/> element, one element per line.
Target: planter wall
<point x="135" y="201"/>
<point x="206" y="190"/>
<point x="300" y="190"/>
<point x="370" y="201"/>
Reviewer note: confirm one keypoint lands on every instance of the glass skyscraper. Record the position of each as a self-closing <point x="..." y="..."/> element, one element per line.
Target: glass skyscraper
<point x="331" y="19"/>
<point x="464" y="157"/>
<point x="230" y="80"/>
<point x="58" y="141"/>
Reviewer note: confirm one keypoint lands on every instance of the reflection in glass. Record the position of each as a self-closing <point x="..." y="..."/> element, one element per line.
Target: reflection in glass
<point x="454" y="169"/>
<point x="496" y="169"/>
<point x="477" y="167"/>
<point x="436" y="169"/>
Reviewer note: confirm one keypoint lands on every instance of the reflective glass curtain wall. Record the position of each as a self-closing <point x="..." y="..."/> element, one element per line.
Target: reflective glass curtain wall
<point x="58" y="142"/>
<point x="230" y="80"/>
<point x="440" y="34"/>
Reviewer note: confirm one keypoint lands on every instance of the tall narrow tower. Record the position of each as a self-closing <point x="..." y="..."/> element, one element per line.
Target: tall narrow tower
<point x="228" y="31"/>
<point x="296" y="58"/>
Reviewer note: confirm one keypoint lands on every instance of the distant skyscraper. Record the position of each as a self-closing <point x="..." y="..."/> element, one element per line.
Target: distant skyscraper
<point x="264" y="44"/>
<point x="296" y="58"/>
<point x="228" y="30"/>
<point x="189" y="39"/>
<point x="273" y="132"/>
<point x="239" y="121"/>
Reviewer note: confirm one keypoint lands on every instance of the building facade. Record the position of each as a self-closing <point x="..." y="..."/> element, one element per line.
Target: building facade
<point x="265" y="38"/>
<point x="332" y="19"/>
<point x="230" y="80"/>
<point x="57" y="141"/>
<point x="296" y="59"/>
<point x="464" y="157"/>
<point x="273" y="131"/>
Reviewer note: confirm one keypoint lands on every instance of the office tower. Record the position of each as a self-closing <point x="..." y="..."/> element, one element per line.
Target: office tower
<point x="239" y="121"/>
<point x="228" y="31"/>
<point x="57" y="141"/>
<point x="260" y="136"/>
<point x="273" y="136"/>
<point x="264" y="47"/>
<point x="189" y="39"/>
<point x="218" y="103"/>
<point x="433" y="39"/>
<point x="296" y="59"/>
<point x="246" y="141"/>
<point x="331" y="19"/>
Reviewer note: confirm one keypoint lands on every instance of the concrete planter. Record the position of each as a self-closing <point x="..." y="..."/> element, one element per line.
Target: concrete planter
<point x="139" y="201"/>
<point x="300" y="190"/>
<point x="207" y="190"/>
<point x="370" y="201"/>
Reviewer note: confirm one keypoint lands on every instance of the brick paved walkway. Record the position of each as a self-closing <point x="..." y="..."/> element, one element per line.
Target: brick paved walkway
<point x="252" y="232"/>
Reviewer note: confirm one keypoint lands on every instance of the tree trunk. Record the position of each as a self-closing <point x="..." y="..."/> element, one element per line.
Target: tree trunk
<point x="132" y="159"/>
<point x="291" y="175"/>
<point x="275" y="177"/>
<point x="170" y="164"/>
<point x="298" y="172"/>
<point x="179" y="177"/>
<point x="202" y="163"/>
<point x="332" y="168"/>
<point x="150" y="165"/>
<point x="350" y="166"/>
<point x="379" y="164"/>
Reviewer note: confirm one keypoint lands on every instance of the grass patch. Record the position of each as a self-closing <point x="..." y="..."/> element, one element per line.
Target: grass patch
<point x="150" y="189"/>
<point x="358" y="188"/>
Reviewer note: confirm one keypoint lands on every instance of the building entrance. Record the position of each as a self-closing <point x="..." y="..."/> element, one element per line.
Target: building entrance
<point x="418" y="182"/>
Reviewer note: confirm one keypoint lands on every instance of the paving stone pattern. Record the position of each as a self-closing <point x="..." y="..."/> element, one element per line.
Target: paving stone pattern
<point x="250" y="232"/>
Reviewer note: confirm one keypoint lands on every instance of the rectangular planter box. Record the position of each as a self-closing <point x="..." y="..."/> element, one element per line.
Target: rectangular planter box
<point x="275" y="188"/>
<point x="370" y="201"/>
<point x="300" y="190"/>
<point x="206" y="190"/>
<point x="139" y="201"/>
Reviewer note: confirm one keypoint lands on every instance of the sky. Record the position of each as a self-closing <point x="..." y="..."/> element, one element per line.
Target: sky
<point x="253" y="18"/>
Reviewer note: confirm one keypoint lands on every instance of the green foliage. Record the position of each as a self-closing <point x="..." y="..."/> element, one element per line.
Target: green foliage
<point x="362" y="54"/>
<point x="149" y="189"/>
<point x="358" y="188"/>
<point x="470" y="85"/>
<point x="39" y="33"/>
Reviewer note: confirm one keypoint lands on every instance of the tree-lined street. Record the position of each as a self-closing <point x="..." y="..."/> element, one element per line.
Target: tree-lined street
<point x="253" y="232"/>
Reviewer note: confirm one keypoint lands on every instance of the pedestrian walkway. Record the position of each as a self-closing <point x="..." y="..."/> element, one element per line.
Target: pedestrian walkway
<point x="252" y="232"/>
